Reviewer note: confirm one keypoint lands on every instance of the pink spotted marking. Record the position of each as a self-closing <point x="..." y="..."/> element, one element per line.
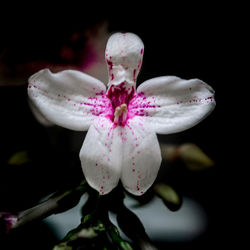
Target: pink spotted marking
<point x="134" y="75"/>
<point x="105" y="104"/>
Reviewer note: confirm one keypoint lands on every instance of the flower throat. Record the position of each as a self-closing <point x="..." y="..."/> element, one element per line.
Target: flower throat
<point x="120" y="97"/>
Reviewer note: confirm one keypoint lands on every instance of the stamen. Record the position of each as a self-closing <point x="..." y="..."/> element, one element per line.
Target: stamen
<point x="124" y="111"/>
<point x="124" y="107"/>
<point x="120" y="114"/>
<point x="117" y="114"/>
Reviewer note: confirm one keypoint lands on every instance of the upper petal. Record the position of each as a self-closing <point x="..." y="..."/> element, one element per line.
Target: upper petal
<point x="101" y="156"/>
<point x="141" y="156"/>
<point x="170" y="104"/>
<point x="124" y="53"/>
<point x="68" y="98"/>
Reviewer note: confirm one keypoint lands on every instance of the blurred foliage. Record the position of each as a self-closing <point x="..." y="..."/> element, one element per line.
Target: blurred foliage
<point x="194" y="158"/>
<point x="19" y="158"/>
<point x="189" y="153"/>
<point x="169" y="196"/>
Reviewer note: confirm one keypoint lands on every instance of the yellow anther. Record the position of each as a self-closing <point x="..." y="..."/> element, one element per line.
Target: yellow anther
<point x="124" y="108"/>
<point x="120" y="111"/>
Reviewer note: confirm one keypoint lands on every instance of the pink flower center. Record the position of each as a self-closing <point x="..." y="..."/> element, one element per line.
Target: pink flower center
<point x="120" y="97"/>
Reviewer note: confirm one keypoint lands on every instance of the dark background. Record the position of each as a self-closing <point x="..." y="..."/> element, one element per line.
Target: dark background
<point x="183" y="40"/>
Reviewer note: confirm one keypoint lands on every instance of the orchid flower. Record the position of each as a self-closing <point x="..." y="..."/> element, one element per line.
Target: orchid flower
<point x="122" y="122"/>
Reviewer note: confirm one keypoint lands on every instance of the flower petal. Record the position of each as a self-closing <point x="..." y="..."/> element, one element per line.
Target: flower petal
<point x="141" y="157"/>
<point x="39" y="116"/>
<point x="68" y="98"/>
<point x="170" y="104"/>
<point x="101" y="156"/>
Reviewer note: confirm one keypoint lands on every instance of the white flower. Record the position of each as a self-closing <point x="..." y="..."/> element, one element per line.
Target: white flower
<point x="122" y="122"/>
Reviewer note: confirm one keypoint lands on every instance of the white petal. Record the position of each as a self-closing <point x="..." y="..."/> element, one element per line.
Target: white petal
<point x="141" y="157"/>
<point x="69" y="98"/>
<point x="124" y="53"/>
<point x="39" y="116"/>
<point x="170" y="104"/>
<point x="101" y="156"/>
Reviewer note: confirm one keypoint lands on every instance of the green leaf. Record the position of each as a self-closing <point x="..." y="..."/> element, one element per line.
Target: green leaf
<point x="130" y="224"/>
<point x="116" y="238"/>
<point x="169" y="196"/>
<point x="19" y="158"/>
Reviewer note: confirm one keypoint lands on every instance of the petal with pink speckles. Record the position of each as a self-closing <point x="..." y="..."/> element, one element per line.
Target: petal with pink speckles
<point x="141" y="157"/>
<point x="171" y="104"/>
<point x="69" y="98"/>
<point x="101" y="155"/>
